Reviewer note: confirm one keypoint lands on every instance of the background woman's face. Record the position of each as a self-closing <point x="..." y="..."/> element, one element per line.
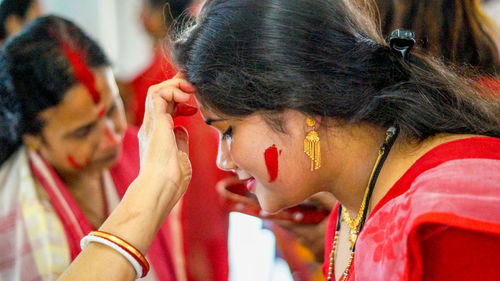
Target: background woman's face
<point x="272" y="162"/>
<point x="81" y="133"/>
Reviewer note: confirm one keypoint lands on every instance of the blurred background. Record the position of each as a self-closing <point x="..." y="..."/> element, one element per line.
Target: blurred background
<point x="117" y="26"/>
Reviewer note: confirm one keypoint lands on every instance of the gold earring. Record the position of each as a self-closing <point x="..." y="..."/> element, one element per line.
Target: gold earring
<point x="32" y="146"/>
<point x="312" y="145"/>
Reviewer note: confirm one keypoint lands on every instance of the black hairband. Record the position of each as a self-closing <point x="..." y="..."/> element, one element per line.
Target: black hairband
<point x="402" y="41"/>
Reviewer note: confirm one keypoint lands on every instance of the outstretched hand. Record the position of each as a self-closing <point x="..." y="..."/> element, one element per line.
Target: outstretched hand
<point x="163" y="148"/>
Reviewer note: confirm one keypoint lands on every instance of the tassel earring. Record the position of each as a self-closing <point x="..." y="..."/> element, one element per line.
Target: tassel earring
<point x="32" y="146"/>
<point x="312" y="145"/>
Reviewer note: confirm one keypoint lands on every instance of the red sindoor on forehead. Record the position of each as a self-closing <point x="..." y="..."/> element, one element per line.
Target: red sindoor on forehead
<point x="82" y="72"/>
<point x="271" y="157"/>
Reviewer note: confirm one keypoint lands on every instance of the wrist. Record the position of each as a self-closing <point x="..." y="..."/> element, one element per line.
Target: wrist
<point x="141" y="212"/>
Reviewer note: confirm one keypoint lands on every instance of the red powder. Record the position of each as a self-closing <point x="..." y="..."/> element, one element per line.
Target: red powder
<point x="73" y="162"/>
<point x="82" y="72"/>
<point x="271" y="157"/>
<point x="101" y="112"/>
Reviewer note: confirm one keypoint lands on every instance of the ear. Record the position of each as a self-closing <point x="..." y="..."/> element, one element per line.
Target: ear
<point x="317" y="122"/>
<point x="13" y="25"/>
<point x="318" y="119"/>
<point x="32" y="141"/>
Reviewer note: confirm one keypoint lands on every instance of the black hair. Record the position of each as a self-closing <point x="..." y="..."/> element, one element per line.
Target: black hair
<point x="35" y="74"/>
<point x="459" y="32"/>
<point x="12" y="7"/>
<point x="176" y="7"/>
<point x="325" y="58"/>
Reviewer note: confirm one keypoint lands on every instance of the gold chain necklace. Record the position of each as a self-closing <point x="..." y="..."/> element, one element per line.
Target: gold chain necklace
<point x="354" y="225"/>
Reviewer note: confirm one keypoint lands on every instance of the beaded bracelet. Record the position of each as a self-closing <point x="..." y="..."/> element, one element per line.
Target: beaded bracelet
<point x="134" y="256"/>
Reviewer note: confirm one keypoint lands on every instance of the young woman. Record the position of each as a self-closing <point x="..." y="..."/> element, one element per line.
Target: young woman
<point x="308" y="98"/>
<point x="67" y="155"/>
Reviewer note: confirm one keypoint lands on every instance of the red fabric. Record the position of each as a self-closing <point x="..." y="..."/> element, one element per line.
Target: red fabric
<point x="204" y="221"/>
<point x="439" y="244"/>
<point x="466" y="250"/>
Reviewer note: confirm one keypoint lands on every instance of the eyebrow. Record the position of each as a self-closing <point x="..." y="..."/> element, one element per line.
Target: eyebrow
<point x="210" y="121"/>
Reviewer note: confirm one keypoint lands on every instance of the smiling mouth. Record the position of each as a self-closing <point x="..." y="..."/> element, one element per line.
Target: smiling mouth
<point x="250" y="184"/>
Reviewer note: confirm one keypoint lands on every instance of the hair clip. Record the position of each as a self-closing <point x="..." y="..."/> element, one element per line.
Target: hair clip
<point x="401" y="41"/>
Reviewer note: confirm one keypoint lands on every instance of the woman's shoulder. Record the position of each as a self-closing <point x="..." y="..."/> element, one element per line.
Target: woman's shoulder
<point x="447" y="200"/>
<point x="460" y="178"/>
<point x="439" y="162"/>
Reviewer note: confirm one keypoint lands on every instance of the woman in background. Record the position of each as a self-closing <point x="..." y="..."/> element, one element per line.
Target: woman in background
<point x="67" y="155"/>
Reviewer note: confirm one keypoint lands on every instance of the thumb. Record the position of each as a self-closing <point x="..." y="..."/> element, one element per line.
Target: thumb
<point x="182" y="139"/>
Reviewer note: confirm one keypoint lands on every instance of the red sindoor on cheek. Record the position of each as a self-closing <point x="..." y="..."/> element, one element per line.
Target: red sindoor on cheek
<point x="82" y="72"/>
<point x="271" y="156"/>
<point x="73" y="163"/>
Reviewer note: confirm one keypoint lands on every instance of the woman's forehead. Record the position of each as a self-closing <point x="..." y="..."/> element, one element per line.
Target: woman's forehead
<point x="78" y="105"/>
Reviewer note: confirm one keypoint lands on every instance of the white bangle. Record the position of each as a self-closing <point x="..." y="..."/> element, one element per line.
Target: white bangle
<point x="91" y="238"/>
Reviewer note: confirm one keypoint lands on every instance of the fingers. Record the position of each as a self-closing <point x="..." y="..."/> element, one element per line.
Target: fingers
<point x="170" y="91"/>
<point x="187" y="87"/>
<point x="184" y="109"/>
<point x="184" y="84"/>
<point x="169" y="97"/>
<point x="182" y="139"/>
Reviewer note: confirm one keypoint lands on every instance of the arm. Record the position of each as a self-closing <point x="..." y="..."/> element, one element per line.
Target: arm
<point x="163" y="178"/>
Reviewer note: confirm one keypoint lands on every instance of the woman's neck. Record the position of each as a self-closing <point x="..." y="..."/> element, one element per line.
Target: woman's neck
<point x="354" y="150"/>
<point x="88" y="191"/>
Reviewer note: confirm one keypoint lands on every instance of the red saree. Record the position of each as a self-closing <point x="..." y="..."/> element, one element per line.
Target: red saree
<point x="440" y="221"/>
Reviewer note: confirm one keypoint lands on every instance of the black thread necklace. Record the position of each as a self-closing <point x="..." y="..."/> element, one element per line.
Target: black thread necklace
<point x="391" y="135"/>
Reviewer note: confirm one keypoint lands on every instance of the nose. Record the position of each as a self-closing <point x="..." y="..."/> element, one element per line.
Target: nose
<point x="224" y="161"/>
<point x="111" y="136"/>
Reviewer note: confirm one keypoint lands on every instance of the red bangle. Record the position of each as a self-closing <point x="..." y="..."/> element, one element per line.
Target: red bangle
<point x="126" y="247"/>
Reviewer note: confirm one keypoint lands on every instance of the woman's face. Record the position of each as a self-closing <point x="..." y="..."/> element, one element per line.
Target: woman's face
<point x="273" y="163"/>
<point x="83" y="133"/>
<point x="153" y="20"/>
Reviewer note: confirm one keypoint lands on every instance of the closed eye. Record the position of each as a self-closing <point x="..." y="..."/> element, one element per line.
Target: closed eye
<point x="228" y="133"/>
<point x="82" y="132"/>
